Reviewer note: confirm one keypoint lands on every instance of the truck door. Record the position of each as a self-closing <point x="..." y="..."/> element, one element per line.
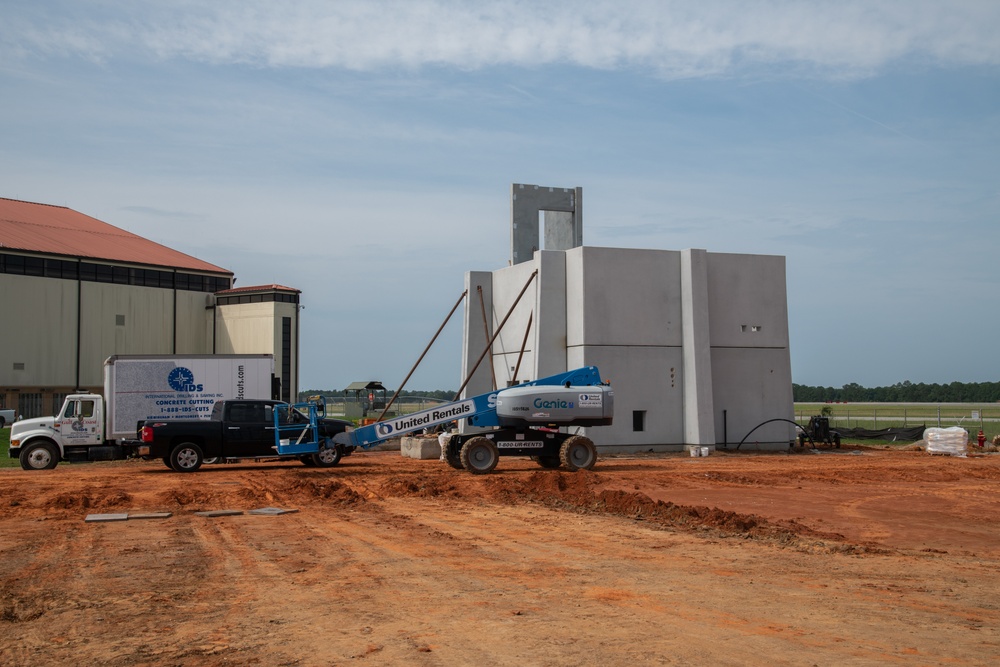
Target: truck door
<point x="79" y="423"/>
<point x="248" y="432"/>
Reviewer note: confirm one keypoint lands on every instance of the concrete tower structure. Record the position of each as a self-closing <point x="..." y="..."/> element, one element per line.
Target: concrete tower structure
<point x="695" y="343"/>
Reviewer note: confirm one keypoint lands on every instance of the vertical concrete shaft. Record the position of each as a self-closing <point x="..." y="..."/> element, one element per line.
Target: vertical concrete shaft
<point x="699" y="423"/>
<point x="563" y="209"/>
<point x="550" y="317"/>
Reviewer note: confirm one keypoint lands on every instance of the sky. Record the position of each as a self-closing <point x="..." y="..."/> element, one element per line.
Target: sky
<point x="363" y="151"/>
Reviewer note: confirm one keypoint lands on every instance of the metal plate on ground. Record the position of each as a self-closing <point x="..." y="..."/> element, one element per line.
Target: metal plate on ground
<point x="272" y="511"/>
<point x="151" y="515"/>
<point x="107" y="517"/>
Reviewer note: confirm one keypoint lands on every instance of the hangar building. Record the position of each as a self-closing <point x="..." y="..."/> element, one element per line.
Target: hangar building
<point x="75" y="290"/>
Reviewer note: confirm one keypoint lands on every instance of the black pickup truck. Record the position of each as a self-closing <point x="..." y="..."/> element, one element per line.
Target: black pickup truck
<point x="238" y="429"/>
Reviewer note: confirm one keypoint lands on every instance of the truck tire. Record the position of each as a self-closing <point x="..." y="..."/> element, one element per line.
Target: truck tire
<point x="186" y="457"/>
<point x="578" y="453"/>
<point x="479" y="455"/>
<point x="326" y="457"/>
<point x="166" y="462"/>
<point x="549" y="462"/>
<point x="39" y="456"/>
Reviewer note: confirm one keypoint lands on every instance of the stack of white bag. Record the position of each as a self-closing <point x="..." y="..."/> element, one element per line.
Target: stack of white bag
<point x="954" y="440"/>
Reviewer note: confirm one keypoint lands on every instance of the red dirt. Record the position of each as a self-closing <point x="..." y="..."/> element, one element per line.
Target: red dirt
<point x="839" y="558"/>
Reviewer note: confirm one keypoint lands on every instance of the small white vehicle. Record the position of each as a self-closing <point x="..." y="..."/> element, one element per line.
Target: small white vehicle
<point x="7" y="417"/>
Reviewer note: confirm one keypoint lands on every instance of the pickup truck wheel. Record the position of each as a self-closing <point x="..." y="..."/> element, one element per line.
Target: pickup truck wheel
<point x="186" y="457"/>
<point x="211" y="460"/>
<point x="578" y="453"/>
<point x="479" y="456"/>
<point x="40" y="456"/>
<point x="326" y="457"/>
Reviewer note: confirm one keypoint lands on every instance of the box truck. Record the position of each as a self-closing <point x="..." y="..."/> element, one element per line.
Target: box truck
<point x="91" y="427"/>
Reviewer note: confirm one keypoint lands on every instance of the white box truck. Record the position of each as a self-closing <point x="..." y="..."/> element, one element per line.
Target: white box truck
<point x="90" y="427"/>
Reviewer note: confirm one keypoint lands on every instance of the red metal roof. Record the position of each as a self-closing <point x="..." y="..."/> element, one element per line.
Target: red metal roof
<point x="58" y="230"/>
<point x="260" y="288"/>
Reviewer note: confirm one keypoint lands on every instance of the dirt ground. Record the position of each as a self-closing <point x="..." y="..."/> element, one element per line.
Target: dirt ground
<point x="843" y="557"/>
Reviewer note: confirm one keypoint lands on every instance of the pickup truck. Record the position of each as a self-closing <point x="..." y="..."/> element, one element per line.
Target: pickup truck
<point x="238" y="429"/>
<point x="7" y="417"/>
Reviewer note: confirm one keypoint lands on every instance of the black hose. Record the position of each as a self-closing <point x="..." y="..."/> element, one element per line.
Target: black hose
<point x="777" y="419"/>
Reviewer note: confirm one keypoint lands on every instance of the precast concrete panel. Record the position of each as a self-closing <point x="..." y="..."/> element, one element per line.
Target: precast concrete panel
<point x="507" y="285"/>
<point x="563" y="216"/>
<point x="748" y="306"/>
<point x="619" y="296"/>
<point x="38" y="343"/>
<point x="648" y="380"/>
<point x="752" y="385"/>
<point x="550" y="314"/>
<point x="474" y="335"/>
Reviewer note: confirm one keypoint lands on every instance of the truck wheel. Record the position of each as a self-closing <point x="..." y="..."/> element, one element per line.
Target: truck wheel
<point x="549" y="462"/>
<point x="166" y="462"/>
<point x="39" y="456"/>
<point x="211" y="460"/>
<point x="326" y="457"/>
<point x="578" y="453"/>
<point x="479" y="456"/>
<point x="186" y="457"/>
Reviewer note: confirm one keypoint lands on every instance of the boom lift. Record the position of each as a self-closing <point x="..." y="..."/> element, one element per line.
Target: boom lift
<point x="524" y="421"/>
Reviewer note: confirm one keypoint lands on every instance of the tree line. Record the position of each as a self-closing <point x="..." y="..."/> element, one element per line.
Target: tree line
<point x="901" y="392"/>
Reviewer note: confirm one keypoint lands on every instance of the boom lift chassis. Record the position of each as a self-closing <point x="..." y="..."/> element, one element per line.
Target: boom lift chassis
<point x="523" y="420"/>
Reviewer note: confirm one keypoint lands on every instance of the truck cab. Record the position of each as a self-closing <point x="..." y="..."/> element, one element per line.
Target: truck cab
<point x="77" y="433"/>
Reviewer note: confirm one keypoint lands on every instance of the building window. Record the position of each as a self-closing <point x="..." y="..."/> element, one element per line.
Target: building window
<point x="638" y="420"/>
<point x="29" y="405"/>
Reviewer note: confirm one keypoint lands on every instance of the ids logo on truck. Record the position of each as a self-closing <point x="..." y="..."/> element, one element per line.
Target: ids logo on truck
<point x="182" y="379"/>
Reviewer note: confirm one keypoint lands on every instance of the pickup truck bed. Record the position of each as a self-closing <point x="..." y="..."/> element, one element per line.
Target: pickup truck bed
<point x="238" y="429"/>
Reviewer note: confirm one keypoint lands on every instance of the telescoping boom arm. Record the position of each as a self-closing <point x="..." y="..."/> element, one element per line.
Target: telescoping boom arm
<point x="542" y="406"/>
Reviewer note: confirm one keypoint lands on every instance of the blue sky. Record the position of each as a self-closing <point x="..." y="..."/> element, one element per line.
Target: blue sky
<point x="363" y="151"/>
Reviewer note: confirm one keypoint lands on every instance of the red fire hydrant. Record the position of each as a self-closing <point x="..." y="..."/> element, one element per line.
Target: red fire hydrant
<point x="982" y="439"/>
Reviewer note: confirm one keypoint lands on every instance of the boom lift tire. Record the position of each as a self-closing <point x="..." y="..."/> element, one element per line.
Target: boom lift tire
<point x="327" y="456"/>
<point x="39" y="456"/>
<point x="549" y="462"/>
<point x="186" y="457"/>
<point x="479" y="455"/>
<point x="578" y="453"/>
<point x="452" y="457"/>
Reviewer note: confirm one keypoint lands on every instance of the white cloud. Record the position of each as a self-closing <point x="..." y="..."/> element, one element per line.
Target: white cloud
<point x="672" y="38"/>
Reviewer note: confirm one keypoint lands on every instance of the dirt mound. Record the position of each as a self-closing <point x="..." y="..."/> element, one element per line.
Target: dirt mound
<point x="89" y="498"/>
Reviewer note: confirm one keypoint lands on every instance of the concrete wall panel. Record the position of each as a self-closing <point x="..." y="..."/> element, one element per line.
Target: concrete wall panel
<point x="752" y="386"/>
<point x="633" y="297"/>
<point x="647" y="379"/>
<point x="748" y="306"/>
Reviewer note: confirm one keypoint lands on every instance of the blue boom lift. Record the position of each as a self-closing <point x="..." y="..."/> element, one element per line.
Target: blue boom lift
<point x="523" y="420"/>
